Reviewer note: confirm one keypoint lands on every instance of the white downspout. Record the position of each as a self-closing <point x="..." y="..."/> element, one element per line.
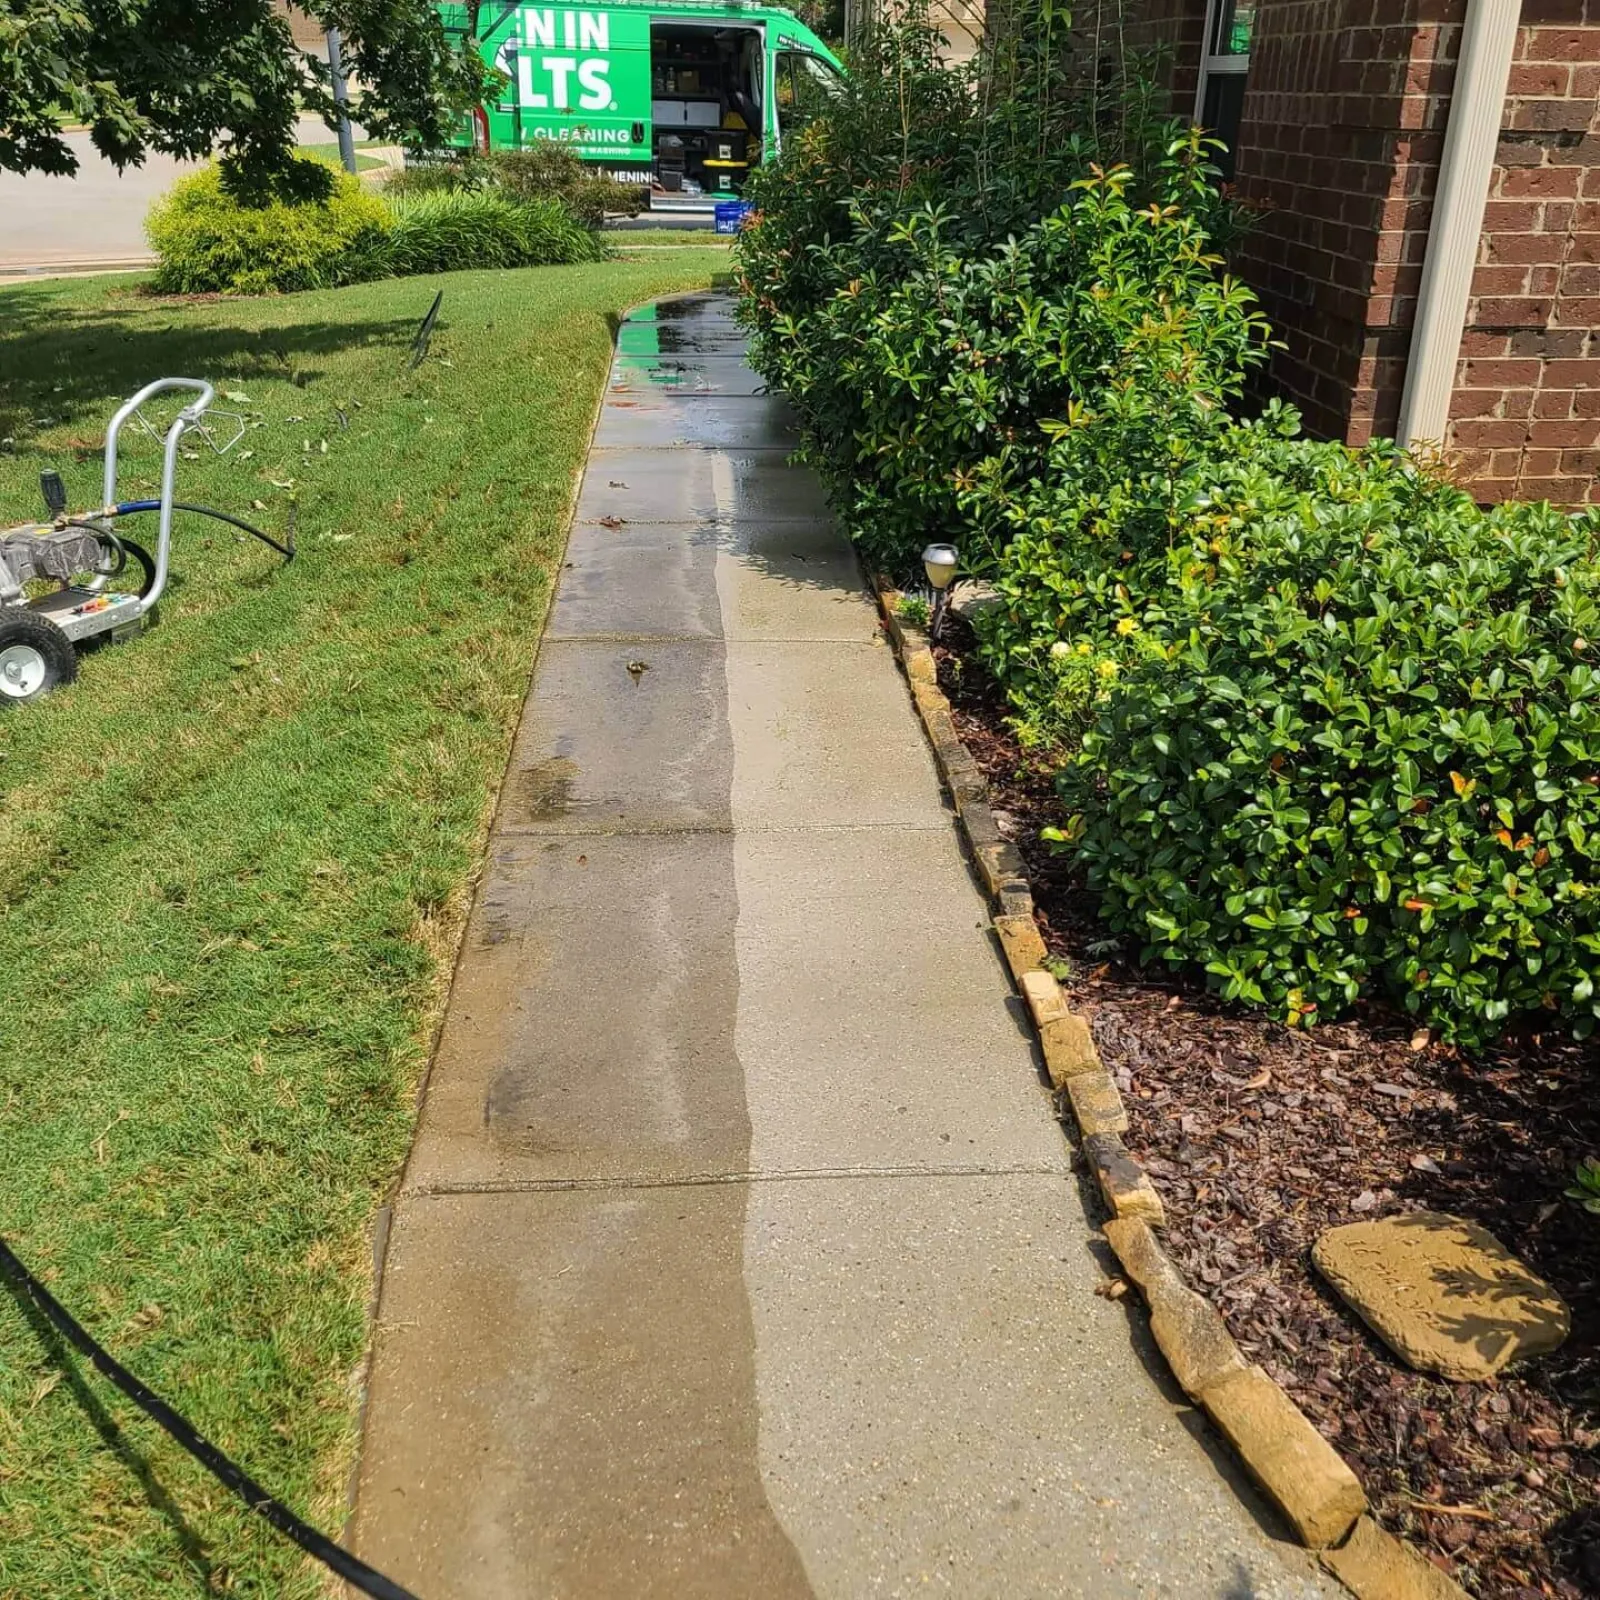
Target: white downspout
<point x="1488" y="40"/>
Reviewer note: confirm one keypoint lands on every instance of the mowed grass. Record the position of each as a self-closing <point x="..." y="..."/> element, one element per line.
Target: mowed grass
<point x="235" y="858"/>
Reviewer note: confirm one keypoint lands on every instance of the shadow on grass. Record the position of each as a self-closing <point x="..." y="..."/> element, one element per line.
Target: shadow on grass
<point x="62" y="1359"/>
<point x="60" y="363"/>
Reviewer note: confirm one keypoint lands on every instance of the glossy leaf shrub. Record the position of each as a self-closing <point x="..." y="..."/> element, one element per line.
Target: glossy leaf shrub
<point x="943" y="271"/>
<point x="1358" y="749"/>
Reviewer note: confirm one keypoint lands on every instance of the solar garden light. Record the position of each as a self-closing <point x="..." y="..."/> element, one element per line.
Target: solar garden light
<point x="940" y="561"/>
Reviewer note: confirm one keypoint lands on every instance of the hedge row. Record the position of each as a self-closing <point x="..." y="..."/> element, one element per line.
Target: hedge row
<point x="1324" y="727"/>
<point x="208" y="241"/>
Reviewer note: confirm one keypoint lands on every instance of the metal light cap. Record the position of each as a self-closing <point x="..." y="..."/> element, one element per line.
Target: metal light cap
<point x="940" y="561"/>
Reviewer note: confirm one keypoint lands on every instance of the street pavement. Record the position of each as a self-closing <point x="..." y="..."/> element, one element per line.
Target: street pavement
<point x="739" y="1251"/>
<point x="95" y="217"/>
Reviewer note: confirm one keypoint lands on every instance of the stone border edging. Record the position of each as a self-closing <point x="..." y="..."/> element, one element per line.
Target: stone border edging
<point x="1303" y="1475"/>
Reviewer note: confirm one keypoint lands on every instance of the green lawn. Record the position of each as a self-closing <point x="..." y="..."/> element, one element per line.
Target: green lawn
<point x="330" y="152"/>
<point x="235" y="858"/>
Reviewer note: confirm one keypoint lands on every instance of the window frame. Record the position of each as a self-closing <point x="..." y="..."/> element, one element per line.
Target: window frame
<point x="1211" y="62"/>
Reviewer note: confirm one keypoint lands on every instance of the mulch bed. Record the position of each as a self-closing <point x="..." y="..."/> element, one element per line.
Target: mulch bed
<point x="1259" y="1137"/>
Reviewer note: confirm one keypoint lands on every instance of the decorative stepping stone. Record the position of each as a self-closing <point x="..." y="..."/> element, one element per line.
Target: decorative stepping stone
<point x="1444" y="1294"/>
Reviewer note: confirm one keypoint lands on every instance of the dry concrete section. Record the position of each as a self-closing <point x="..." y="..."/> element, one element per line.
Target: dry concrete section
<point x="739" y="1252"/>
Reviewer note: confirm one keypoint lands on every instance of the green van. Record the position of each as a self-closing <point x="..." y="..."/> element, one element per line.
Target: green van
<point x="683" y="98"/>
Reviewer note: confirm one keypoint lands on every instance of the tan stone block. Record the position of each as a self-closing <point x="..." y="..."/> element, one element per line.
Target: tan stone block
<point x="1299" y="1469"/>
<point x="1187" y="1327"/>
<point x="1127" y="1189"/>
<point x="919" y="664"/>
<point x="1046" y="1003"/>
<point x="1023" y="945"/>
<point x="1443" y="1293"/>
<point x="1068" y="1048"/>
<point x="966" y="784"/>
<point x="1096" y="1102"/>
<point x="1000" y="866"/>
<point x="1016" y="900"/>
<point x="1374" y="1565"/>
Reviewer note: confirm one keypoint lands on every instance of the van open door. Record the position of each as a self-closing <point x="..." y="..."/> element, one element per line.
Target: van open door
<point x="707" y="97"/>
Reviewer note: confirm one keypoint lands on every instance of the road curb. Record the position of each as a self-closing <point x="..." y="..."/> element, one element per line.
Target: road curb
<point x="1305" y="1477"/>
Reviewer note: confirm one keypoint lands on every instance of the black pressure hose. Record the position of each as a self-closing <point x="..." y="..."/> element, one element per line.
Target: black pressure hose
<point x="132" y="507"/>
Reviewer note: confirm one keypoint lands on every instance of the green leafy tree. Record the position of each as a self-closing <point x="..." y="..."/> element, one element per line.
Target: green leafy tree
<point x="188" y="76"/>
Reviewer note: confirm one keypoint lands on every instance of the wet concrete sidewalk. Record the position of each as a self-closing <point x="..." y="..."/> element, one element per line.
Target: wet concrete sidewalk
<point x="738" y="1253"/>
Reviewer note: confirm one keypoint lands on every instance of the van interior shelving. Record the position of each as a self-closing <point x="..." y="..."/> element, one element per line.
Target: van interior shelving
<point x="705" y="108"/>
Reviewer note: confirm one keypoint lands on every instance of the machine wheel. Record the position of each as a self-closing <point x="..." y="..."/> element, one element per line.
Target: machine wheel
<point x="35" y="658"/>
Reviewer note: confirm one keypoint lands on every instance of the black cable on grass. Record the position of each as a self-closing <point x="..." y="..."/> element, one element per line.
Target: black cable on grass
<point x="135" y="507"/>
<point x="352" y="1569"/>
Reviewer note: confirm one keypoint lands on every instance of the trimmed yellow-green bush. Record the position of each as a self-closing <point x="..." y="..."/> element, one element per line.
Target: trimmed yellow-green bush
<point x="210" y="242"/>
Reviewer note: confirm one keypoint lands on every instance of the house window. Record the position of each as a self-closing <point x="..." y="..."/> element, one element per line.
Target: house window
<point x="1226" y="59"/>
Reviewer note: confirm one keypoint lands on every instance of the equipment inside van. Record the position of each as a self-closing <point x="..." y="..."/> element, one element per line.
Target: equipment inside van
<point x="683" y="99"/>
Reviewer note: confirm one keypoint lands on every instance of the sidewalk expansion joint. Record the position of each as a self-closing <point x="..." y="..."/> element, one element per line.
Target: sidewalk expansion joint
<point x="700" y="638"/>
<point x="702" y="1180"/>
<point x="648" y="830"/>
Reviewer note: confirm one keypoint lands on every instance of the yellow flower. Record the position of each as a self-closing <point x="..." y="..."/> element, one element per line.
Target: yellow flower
<point x="1127" y="626"/>
<point x="1085" y="650"/>
<point x="1107" y="669"/>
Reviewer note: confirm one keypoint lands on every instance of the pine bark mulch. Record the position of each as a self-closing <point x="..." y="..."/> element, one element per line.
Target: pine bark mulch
<point x="1259" y="1137"/>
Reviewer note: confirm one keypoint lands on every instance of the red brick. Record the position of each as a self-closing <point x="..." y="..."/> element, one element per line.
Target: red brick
<point x="1586" y="402"/>
<point x="1539" y="463"/>
<point x="1576" y="311"/>
<point x="1549" y="116"/>
<point x="1500" y="282"/>
<point x="1557" y="490"/>
<point x="1524" y="247"/>
<point x="1489" y="435"/>
<point x="1501" y="374"/>
<point x="1510" y="216"/>
<point x="1554" y="404"/>
<point x="1580" y="463"/>
<point x="1513" y="313"/>
<point x="1541" y="78"/>
<point x="1560" y="44"/>
<point x="1582" y="435"/>
<point x="1465" y="403"/>
<point x="1572" y="374"/>
<point x="1544" y="182"/>
<point x="1490" y="491"/>
<point x="1485" y="346"/>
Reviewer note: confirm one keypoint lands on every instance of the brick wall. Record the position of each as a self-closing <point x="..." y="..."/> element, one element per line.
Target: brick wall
<point x="1525" y="417"/>
<point x="1338" y="156"/>
<point x="1176" y="28"/>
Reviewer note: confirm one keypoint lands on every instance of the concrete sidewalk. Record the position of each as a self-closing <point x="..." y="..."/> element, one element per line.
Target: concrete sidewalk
<point x="738" y="1253"/>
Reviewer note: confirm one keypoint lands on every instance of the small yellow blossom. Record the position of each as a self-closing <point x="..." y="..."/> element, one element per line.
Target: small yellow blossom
<point x="1126" y="626"/>
<point x="1106" y="669"/>
<point x="1085" y="650"/>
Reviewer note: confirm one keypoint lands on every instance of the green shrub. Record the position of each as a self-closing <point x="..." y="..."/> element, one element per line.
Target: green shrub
<point x="452" y="230"/>
<point x="543" y="171"/>
<point x="1353" y="745"/>
<point x="938" y="302"/>
<point x="209" y="242"/>
<point x="549" y="171"/>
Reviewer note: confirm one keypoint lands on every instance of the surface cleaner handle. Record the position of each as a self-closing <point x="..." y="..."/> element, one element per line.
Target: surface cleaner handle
<point x="186" y="418"/>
